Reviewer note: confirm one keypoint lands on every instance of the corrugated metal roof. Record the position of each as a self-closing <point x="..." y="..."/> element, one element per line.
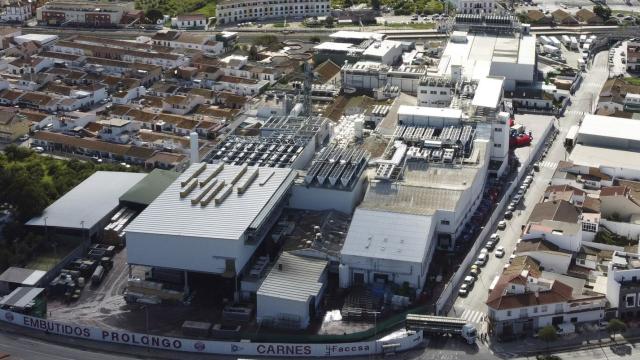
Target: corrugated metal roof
<point x="22" y="276"/>
<point x="21" y="297"/>
<point x="388" y="235"/>
<point x="147" y="189"/>
<point x="89" y="202"/>
<point x="297" y="280"/>
<point x="174" y="215"/>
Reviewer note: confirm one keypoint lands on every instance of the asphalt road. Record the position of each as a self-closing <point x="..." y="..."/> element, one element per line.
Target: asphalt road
<point x="473" y="306"/>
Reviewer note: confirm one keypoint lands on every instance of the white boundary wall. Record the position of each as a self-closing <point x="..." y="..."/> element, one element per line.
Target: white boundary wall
<point x="407" y="342"/>
<point x="443" y="303"/>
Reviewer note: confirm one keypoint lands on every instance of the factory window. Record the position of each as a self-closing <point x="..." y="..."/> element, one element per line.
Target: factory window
<point x="497" y="145"/>
<point x="535" y="309"/>
<point x="444" y="222"/>
<point x="497" y="129"/>
<point x="543" y="308"/>
<point x="508" y="312"/>
<point x="433" y="92"/>
<point x="443" y="93"/>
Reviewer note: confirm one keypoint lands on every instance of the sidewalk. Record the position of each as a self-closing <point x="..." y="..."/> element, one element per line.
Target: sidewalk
<point x="584" y="340"/>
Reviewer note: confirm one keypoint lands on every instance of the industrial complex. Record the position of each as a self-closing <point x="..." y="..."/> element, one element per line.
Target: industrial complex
<point x="356" y="193"/>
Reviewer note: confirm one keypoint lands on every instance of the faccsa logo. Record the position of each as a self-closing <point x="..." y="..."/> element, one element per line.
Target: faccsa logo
<point x="199" y="346"/>
<point x="8" y="316"/>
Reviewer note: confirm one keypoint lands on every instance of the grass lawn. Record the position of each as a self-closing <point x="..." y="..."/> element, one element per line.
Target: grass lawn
<point x="208" y="10"/>
<point x="48" y="259"/>
<point x="632" y="80"/>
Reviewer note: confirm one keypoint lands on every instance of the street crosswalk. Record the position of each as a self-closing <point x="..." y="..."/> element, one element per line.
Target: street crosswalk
<point x="548" y="164"/>
<point x="472" y="316"/>
<point x="575" y="112"/>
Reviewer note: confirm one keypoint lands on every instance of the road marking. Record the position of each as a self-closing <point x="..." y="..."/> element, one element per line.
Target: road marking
<point x="472" y="316"/>
<point x="548" y="164"/>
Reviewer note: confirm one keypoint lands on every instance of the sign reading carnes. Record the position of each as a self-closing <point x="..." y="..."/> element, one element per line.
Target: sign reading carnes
<point x="406" y="342"/>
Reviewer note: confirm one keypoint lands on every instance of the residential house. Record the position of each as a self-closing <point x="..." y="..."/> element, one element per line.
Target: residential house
<point x="189" y="21"/>
<point x="74" y="120"/>
<point x="623" y="284"/>
<point x="619" y="203"/>
<point x="327" y="73"/>
<point x="562" y="17"/>
<point x="589" y="17"/>
<point x="537" y="17"/>
<point x="7" y="33"/>
<point x="524" y="300"/>
<point x="12" y="124"/>
<point x="29" y="65"/>
<point x="181" y="105"/>
<point x="565" y="192"/>
<point x="189" y="40"/>
<point x="117" y="130"/>
<point x="549" y="256"/>
<point x="613" y="97"/>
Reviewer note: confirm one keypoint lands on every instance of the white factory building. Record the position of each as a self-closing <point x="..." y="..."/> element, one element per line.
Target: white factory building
<point x="480" y="55"/>
<point x="609" y="143"/>
<point x="210" y="220"/>
<point x="402" y="219"/>
<point x="370" y="75"/>
<point x="291" y="294"/>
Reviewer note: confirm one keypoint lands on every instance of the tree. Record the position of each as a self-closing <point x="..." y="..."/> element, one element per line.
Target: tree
<point x="329" y="21"/>
<point x="253" y="53"/>
<point x="603" y="12"/>
<point x="548" y="334"/>
<point x="375" y="4"/>
<point x="616" y="326"/>
<point x="153" y="15"/>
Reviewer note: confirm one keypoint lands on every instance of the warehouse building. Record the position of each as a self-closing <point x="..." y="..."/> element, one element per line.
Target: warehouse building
<point x="609" y="132"/>
<point x="291" y="294"/>
<point x="15" y="277"/>
<point x="210" y="220"/>
<point x="480" y="55"/>
<point x="148" y="189"/>
<point x="88" y="207"/>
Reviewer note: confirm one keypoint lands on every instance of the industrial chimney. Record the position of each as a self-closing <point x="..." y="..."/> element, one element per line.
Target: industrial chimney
<point x="195" y="155"/>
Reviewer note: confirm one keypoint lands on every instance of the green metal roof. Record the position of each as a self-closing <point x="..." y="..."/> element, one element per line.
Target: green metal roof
<point x="148" y="189"/>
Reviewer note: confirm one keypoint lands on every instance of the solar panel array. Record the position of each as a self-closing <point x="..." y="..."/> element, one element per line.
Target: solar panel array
<point x="337" y="166"/>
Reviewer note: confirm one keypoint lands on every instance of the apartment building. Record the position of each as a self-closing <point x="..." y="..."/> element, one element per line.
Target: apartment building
<point x="482" y="7"/>
<point x="623" y="285"/>
<point x="633" y="55"/>
<point x="232" y="11"/>
<point x="107" y="14"/>
<point x="16" y="11"/>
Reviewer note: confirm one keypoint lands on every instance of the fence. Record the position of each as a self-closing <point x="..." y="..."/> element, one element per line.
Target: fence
<point x="444" y="302"/>
<point x="240" y="348"/>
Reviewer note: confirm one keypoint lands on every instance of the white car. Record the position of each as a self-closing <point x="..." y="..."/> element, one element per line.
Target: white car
<point x="495" y="237"/>
<point x="24" y="137"/>
<point x="499" y="252"/>
<point x="502" y="225"/>
<point x="38" y="149"/>
<point x="464" y="290"/>
<point x="469" y="279"/>
<point x="482" y="259"/>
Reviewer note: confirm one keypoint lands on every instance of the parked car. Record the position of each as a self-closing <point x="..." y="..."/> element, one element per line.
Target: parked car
<point x="38" y="149"/>
<point x="502" y="225"/>
<point x="476" y="268"/>
<point x="490" y="245"/>
<point x="464" y="290"/>
<point x="536" y="167"/>
<point x="482" y="259"/>
<point x="508" y="215"/>
<point x="475" y="272"/>
<point x="469" y="280"/>
<point x="494" y="237"/>
<point x="499" y="253"/>
<point x="517" y="198"/>
<point x="24" y="137"/>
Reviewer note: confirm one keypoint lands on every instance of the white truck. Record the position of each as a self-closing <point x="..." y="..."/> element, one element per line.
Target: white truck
<point x="566" y="40"/>
<point x="550" y="49"/>
<point x="544" y="40"/>
<point x="438" y="325"/>
<point x="554" y="41"/>
<point x="574" y="43"/>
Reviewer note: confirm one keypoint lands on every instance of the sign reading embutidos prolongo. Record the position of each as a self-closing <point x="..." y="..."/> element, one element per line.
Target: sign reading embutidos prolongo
<point x="205" y="346"/>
